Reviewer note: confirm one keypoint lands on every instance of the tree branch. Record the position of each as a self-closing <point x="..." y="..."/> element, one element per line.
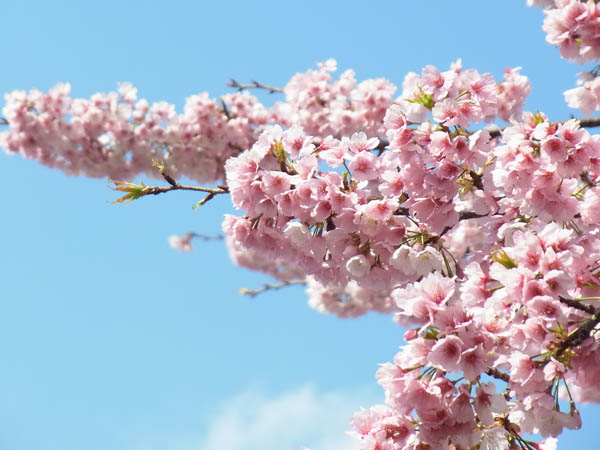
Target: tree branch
<point x="205" y="237"/>
<point x="579" y="335"/>
<point x="270" y="287"/>
<point x="591" y="122"/>
<point x="577" y="305"/>
<point x="225" y="109"/>
<point x="135" y="191"/>
<point x="254" y="85"/>
<point x="495" y="373"/>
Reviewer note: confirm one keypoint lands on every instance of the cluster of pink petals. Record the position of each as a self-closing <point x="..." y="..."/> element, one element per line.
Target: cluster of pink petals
<point x="351" y="300"/>
<point x="573" y="26"/>
<point x="586" y="97"/>
<point x="463" y="97"/>
<point x="395" y="205"/>
<point x="116" y="135"/>
<point x="454" y="232"/>
<point x="323" y="106"/>
<point x="181" y="243"/>
<point x="500" y="317"/>
<point x="541" y="167"/>
<point x="347" y="229"/>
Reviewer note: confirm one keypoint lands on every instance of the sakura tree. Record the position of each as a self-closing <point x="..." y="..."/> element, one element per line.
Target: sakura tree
<point x="481" y="239"/>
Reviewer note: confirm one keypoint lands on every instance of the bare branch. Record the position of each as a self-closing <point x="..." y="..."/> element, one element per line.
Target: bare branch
<point x="270" y="287"/>
<point x="3" y="121"/>
<point x="205" y="237"/>
<point x="209" y="197"/>
<point x="577" y="305"/>
<point x="135" y="191"/>
<point x="589" y="123"/>
<point x="495" y="373"/>
<point x="161" y="167"/>
<point x="253" y="85"/>
<point x="225" y="109"/>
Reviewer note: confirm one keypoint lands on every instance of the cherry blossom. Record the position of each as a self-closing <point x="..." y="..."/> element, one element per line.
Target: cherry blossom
<point x="472" y="223"/>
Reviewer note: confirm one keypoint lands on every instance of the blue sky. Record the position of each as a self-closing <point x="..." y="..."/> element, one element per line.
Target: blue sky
<point x="109" y="339"/>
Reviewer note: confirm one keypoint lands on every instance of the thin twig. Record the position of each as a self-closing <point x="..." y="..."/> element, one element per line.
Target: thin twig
<point x="161" y="168"/>
<point x="134" y="191"/>
<point x="253" y="85"/>
<point x="155" y="190"/>
<point x="205" y="237"/>
<point x="270" y="287"/>
<point x="225" y="109"/>
<point x="3" y="121"/>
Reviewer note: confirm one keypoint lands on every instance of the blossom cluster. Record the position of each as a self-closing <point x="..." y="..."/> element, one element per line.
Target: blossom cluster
<point x="503" y="319"/>
<point x="585" y="97"/>
<point x="323" y="106"/>
<point x="455" y="232"/>
<point x="118" y="136"/>
<point x="366" y="212"/>
<point x="573" y="26"/>
<point x="483" y="242"/>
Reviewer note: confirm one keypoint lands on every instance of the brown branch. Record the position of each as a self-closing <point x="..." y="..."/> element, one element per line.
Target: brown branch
<point x="495" y="373"/>
<point x="209" y="197"/>
<point x="270" y="287"/>
<point x="592" y="122"/>
<point x="134" y="191"/>
<point x="477" y="179"/>
<point x="253" y="85"/>
<point x="155" y="190"/>
<point x="161" y="168"/>
<point x="577" y="337"/>
<point x="577" y="305"/>
<point x="225" y="109"/>
<point x="3" y="121"/>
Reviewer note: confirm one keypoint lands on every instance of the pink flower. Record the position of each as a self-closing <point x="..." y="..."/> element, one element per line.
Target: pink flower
<point x="181" y="243"/>
<point x="447" y="113"/>
<point x="363" y="166"/>
<point x="446" y="354"/>
<point x="381" y="210"/>
<point x="590" y="207"/>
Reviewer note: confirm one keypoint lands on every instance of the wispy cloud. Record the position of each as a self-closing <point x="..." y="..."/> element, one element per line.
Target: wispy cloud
<point x="304" y="416"/>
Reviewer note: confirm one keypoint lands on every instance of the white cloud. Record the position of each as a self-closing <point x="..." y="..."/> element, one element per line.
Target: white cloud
<point x="305" y="416"/>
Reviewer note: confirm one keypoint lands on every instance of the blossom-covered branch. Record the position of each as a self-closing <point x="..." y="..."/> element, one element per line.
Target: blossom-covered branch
<point x="483" y="243"/>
